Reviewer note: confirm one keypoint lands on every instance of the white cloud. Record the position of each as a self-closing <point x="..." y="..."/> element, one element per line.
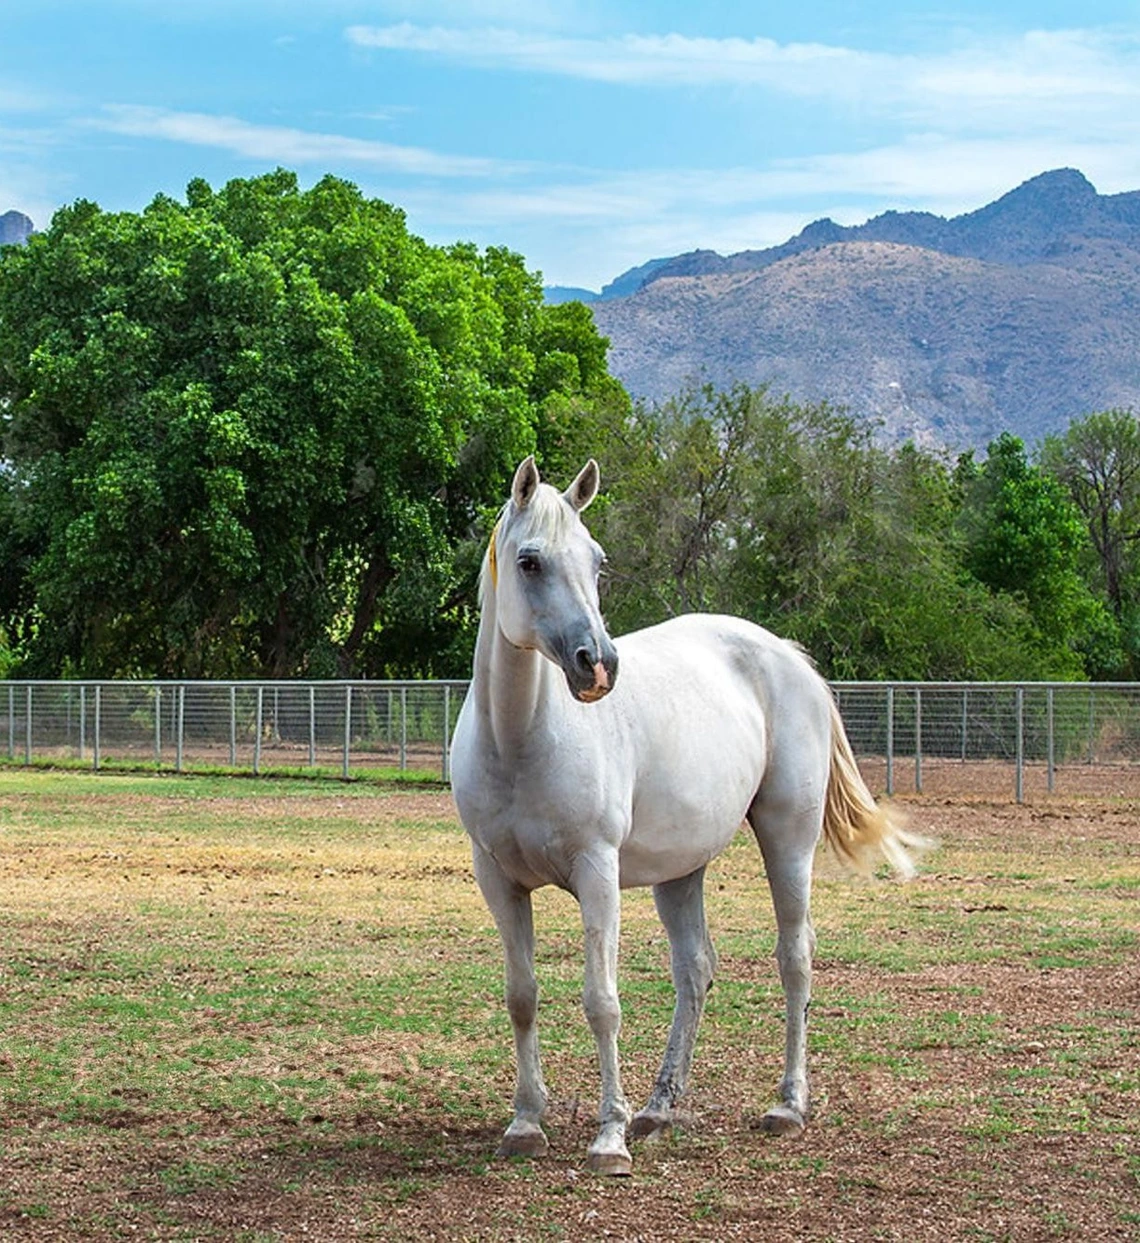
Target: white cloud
<point x="290" y="146"/>
<point x="1036" y="79"/>
<point x="948" y="175"/>
<point x="1039" y="83"/>
<point x="26" y="189"/>
<point x="636" y="59"/>
<point x="925" y="172"/>
<point x="19" y="98"/>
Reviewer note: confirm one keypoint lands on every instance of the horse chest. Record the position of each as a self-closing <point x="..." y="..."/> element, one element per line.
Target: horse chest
<point x="536" y="828"/>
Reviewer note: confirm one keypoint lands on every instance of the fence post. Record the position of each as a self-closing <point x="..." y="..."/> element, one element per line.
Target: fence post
<point x="233" y="726"/>
<point x="82" y="723"/>
<point x="28" y="728"/>
<point x="157" y="725"/>
<point x="179" y="725"/>
<point x="1019" y="779"/>
<point x="1049" y="745"/>
<point x="11" y="722"/>
<point x="917" y="740"/>
<point x="257" y="734"/>
<point x="403" y="728"/>
<point x="965" y="720"/>
<point x="890" y="740"/>
<point x="312" y="726"/>
<point x="98" y="723"/>
<point x="347" y="728"/>
<point x="446" y="766"/>
<point x="1092" y="722"/>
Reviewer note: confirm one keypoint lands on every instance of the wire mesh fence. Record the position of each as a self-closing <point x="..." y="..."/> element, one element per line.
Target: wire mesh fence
<point x="997" y="739"/>
<point x="338" y="727"/>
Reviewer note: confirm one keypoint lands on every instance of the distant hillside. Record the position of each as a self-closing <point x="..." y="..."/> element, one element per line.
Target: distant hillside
<point x="556" y="294"/>
<point x="627" y="283"/>
<point x="1018" y="316"/>
<point x="15" y="228"/>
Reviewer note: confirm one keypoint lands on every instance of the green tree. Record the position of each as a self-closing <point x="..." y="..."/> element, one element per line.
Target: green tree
<point x="1025" y="538"/>
<point x="792" y="515"/>
<point x="1098" y="461"/>
<point x="248" y="434"/>
<point x="672" y="475"/>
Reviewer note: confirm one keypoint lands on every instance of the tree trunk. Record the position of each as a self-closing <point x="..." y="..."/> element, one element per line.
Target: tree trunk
<point x="377" y="577"/>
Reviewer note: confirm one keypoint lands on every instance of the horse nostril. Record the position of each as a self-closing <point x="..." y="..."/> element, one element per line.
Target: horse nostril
<point x="584" y="659"/>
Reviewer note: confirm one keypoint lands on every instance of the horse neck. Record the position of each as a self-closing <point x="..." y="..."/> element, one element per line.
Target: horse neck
<point x="508" y="683"/>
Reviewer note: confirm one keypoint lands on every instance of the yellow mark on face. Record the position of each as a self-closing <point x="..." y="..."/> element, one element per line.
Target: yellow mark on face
<point x="492" y="557"/>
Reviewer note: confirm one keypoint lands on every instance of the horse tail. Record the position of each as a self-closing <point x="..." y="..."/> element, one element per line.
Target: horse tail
<point x="857" y="828"/>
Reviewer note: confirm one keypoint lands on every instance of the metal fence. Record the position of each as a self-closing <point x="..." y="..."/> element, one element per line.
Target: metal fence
<point x="981" y="738"/>
<point x="985" y="738"/>
<point x="329" y="727"/>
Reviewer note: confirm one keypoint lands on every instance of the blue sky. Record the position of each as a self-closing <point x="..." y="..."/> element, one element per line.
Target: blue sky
<point x="591" y="135"/>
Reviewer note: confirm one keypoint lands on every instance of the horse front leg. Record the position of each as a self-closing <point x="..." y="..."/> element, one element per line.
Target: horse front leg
<point x="681" y="907"/>
<point x="599" y="896"/>
<point x="510" y="905"/>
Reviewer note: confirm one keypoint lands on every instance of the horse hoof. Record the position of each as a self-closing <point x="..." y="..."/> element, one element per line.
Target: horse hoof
<point x="646" y="1125"/>
<point x="612" y="1164"/>
<point x="524" y="1144"/>
<point x="784" y="1121"/>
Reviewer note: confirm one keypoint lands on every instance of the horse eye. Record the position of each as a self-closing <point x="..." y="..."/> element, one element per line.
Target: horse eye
<point x="529" y="564"/>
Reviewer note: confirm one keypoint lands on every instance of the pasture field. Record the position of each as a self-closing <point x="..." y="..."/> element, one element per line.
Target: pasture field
<point x="238" y="1009"/>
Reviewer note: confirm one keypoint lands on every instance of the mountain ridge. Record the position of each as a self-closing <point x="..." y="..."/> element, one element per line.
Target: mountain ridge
<point x="1018" y="316"/>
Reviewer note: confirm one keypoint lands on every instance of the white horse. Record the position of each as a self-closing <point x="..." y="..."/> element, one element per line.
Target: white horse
<point x="565" y="775"/>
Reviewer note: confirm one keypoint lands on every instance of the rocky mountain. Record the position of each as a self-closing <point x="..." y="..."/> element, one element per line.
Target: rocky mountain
<point x="15" y="228"/>
<point x="1020" y="316"/>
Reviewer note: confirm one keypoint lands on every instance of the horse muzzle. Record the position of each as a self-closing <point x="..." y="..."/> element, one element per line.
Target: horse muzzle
<point x="592" y="671"/>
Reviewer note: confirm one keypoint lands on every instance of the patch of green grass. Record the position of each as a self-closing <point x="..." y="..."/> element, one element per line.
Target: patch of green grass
<point x="192" y="1175"/>
<point x="34" y="1212"/>
<point x="708" y="1205"/>
<point x="117" y="766"/>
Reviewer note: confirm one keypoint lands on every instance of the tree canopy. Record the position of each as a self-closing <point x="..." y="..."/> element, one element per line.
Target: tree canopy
<point x="894" y="563"/>
<point x="1097" y="460"/>
<point x="248" y="434"/>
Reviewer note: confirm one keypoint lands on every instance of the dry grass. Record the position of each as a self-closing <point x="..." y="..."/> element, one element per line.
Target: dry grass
<point x="251" y="1010"/>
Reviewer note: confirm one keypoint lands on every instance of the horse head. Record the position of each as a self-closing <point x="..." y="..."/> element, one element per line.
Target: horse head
<point x="542" y="566"/>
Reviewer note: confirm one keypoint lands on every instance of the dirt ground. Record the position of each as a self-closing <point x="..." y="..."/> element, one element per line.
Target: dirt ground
<point x="984" y="1094"/>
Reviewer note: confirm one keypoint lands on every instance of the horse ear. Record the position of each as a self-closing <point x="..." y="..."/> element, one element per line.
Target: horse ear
<point x="583" y="490"/>
<point x="525" y="484"/>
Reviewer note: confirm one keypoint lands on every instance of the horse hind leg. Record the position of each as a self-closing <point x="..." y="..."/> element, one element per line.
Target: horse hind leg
<point x="787" y="839"/>
<point x="680" y="905"/>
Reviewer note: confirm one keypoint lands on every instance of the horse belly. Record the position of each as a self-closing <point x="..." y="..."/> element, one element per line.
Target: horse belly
<point x="686" y="813"/>
<point x="699" y="737"/>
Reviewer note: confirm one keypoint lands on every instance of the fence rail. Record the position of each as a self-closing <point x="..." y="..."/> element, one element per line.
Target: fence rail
<point x="984" y="737"/>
